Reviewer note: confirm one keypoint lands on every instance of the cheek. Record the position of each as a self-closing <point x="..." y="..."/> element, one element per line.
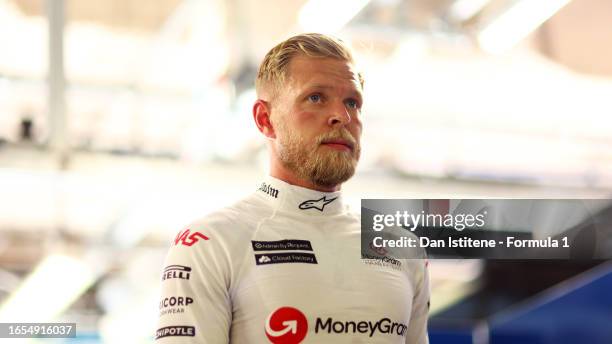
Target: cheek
<point x="306" y="115"/>
<point x="355" y="129"/>
<point x="300" y="124"/>
<point x="309" y="121"/>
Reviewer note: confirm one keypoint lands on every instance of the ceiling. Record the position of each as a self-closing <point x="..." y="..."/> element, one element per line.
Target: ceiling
<point x="577" y="36"/>
<point x="135" y="15"/>
<point x="580" y="37"/>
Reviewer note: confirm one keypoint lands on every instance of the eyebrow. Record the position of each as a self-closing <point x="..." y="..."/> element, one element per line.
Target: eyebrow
<point x="320" y="86"/>
<point x="354" y="93"/>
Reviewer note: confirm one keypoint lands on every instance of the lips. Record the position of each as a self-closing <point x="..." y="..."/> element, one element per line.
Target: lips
<point x="339" y="142"/>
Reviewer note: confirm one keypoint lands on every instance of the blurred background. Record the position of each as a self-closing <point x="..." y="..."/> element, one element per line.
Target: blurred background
<point x="123" y="120"/>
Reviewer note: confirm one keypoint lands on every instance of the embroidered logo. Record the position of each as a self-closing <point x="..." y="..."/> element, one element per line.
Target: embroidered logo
<point x="318" y="204"/>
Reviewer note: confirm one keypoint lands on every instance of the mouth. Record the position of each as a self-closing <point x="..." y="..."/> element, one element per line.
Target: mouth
<point x="338" y="144"/>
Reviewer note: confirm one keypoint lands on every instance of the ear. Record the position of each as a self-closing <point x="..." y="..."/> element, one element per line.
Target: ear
<point x="261" y="115"/>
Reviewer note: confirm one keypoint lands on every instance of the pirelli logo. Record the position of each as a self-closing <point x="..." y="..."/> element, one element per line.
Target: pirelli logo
<point x="176" y="271"/>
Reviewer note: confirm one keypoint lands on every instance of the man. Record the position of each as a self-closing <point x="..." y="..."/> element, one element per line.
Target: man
<point x="283" y="265"/>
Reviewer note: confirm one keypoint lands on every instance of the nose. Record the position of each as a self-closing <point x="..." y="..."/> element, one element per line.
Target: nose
<point x="339" y="115"/>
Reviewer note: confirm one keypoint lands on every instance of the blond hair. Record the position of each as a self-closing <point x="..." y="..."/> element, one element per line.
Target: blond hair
<point x="274" y="68"/>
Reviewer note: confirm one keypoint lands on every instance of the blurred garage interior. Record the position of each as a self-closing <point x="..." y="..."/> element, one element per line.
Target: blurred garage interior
<point x="121" y="121"/>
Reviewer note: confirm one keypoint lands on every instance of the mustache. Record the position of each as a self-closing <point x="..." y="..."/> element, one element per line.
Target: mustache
<point x="341" y="134"/>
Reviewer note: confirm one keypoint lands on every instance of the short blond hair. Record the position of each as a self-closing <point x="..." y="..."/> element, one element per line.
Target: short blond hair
<point x="275" y="66"/>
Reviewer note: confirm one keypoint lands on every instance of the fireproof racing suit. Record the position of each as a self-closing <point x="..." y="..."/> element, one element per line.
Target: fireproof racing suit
<point x="284" y="266"/>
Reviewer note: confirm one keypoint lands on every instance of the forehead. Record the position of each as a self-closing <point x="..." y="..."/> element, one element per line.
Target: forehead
<point x="307" y="71"/>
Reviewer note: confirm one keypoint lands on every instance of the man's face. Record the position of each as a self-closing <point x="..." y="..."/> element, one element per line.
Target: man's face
<point x="316" y="117"/>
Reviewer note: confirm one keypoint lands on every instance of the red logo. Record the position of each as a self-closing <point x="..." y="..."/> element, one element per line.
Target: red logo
<point x="184" y="238"/>
<point x="286" y="325"/>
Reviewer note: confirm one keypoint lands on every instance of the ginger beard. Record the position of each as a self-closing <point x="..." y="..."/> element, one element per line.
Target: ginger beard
<point x="313" y="162"/>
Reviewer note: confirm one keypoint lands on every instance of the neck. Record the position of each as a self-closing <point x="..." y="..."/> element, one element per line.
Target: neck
<point x="298" y="200"/>
<point x="289" y="177"/>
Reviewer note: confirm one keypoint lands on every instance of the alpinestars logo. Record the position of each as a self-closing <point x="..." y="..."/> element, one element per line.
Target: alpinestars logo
<point x="286" y="325"/>
<point x="187" y="239"/>
<point x="318" y="204"/>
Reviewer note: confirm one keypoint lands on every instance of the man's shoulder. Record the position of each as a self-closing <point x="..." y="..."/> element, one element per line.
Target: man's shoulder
<point x="240" y="216"/>
<point x="222" y="230"/>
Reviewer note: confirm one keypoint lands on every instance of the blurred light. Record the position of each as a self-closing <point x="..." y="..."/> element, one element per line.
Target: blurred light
<point x="329" y="16"/>
<point x="8" y="280"/>
<point x="130" y="299"/>
<point x="23" y="54"/>
<point x="57" y="282"/>
<point x="134" y="322"/>
<point x="465" y="9"/>
<point x="516" y="23"/>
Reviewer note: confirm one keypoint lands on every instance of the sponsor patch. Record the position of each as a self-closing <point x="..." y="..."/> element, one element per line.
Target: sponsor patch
<point x="174" y="304"/>
<point x="370" y="328"/>
<point x="175" y="331"/>
<point x="384" y="261"/>
<point x="281" y="258"/>
<point x="176" y="271"/>
<point x="268" y="190"/>
<point x="286" y="325"/>
<point x="282" y="245"/>
<point x="187" y="238"/>
<point x="318" y="204"/>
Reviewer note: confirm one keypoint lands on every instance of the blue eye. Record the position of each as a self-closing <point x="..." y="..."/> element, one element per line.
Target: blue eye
<point x="352" y="103"/>
<point x="315" y="98"/>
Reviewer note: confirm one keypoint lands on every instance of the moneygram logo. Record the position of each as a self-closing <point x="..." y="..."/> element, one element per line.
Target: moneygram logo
<point x="286" y="325"/>
<point x="370" y="328"/>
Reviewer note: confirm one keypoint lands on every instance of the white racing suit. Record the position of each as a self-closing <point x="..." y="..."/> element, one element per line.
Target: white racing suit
<point x="284" y="266"/>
